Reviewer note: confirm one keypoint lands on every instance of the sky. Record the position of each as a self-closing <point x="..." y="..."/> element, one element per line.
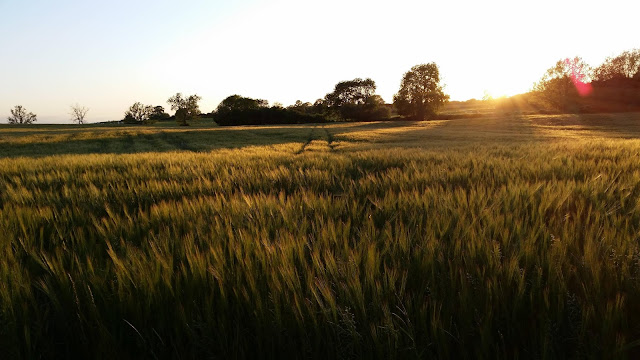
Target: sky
<point x="106" y="55"/>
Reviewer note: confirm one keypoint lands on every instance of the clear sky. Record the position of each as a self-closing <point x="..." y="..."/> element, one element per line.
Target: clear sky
<point x="106" y="55"/>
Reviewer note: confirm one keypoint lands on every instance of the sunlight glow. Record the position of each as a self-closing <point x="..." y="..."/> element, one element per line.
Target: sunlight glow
<point x="579" y="78"/>
<point x="286" y="50"/>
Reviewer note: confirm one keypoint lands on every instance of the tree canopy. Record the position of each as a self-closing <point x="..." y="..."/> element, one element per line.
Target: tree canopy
<point x="186" y="108"/>
<point x="355" y="100"/>
<point x="421" y="94"/>
<point x="158" y="113"/>
<point x="240" y="103"/>
<point x="352" y="92"/>
<point x="19" y="115"/>
<point x="138" y="114"/>
<point x="238" y="110"/>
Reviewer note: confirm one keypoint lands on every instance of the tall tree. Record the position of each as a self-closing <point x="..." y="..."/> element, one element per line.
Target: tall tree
<point x="19" y="115"/>
<point x="186" y="108"/>
<point x="420" y="94"/>
<point x="78" y="113"/>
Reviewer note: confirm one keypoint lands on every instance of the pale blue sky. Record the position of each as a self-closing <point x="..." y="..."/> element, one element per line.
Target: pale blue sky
<point x="107" y="55"/>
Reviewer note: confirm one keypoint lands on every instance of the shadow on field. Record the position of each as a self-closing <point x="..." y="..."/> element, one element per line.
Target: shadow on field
<point x="497" y="129"/>
<point x="145" y="140"/>
<point x="436" y="133"/>
<point x="623" y="125"/>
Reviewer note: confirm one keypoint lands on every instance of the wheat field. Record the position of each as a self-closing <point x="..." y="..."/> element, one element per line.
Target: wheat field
<point x="502" y="237"/>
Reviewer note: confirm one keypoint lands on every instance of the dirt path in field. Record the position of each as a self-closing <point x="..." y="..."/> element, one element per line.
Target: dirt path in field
<point x="330" y="142"/>
<point x="176" y="141"/>
<point x="318" y="140"/>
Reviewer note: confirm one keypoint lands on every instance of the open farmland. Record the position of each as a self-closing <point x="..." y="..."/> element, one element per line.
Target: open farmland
<point x="496" y="237"/>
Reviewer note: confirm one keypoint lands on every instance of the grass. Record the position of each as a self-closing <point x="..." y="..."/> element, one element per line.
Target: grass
<point x="497" y="237"/>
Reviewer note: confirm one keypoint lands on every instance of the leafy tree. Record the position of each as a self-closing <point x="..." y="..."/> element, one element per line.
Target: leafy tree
<point x="299" y="106"/>
<point x="158" y="114"/>
<point x="138" y="114"/>
<point x="563" y="84"/>
<point x="623" y="66"/>
<point x="78" y="113"/>
<point x="239" y="103"/>
<point x="233" y="108"/>
<point x="355" y="100"/>
<point x="186" y="108"/>
<point x="420" y="94"/>
<point x="376" y="108"/>
<point x="353" y="92"/>
<point x="238" y="110"/>
<point x="320" y="106"/>
<point x="19" y="115"/>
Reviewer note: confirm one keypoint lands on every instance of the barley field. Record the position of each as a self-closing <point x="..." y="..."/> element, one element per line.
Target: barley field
<point x="501" y="237"/>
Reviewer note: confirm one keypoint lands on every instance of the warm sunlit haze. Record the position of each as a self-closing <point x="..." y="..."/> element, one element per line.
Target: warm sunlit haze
<point x="108" y="55"/>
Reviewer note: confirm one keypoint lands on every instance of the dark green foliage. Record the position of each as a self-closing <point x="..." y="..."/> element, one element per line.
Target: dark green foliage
<point x="266" y="116"/>
<point x="238" y="110"/>
<point x="158" y="114"/>
<point x="240" y="103"/>
<point x="372" y="109"/>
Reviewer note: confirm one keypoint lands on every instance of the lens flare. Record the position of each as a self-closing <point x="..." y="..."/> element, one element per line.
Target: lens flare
<point x="579" y="78"/>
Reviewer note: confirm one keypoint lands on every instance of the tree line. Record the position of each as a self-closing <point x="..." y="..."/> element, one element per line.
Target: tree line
<point x="420" y="96"/>
<point x="571" y="85"/>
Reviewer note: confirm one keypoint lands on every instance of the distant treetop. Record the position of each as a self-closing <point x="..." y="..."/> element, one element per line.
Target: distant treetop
<point x="19" y="115"/>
